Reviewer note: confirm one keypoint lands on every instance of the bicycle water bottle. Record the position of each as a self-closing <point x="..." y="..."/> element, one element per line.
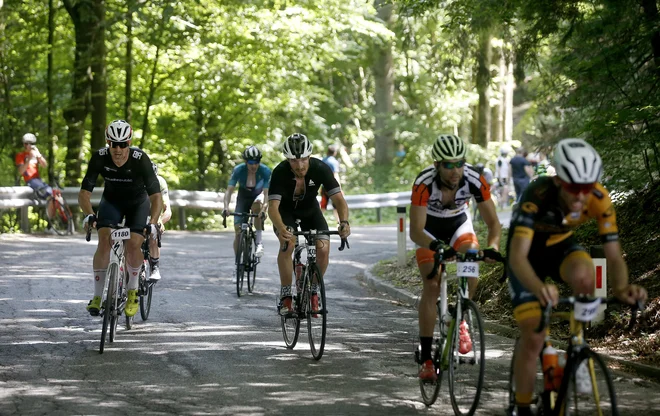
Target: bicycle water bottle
<point x="550" y="364"/>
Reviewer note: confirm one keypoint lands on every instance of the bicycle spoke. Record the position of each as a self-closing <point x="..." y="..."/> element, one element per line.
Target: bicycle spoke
<point x="430" y="390"/>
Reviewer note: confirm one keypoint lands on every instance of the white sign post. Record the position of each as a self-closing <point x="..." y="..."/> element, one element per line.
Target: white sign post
<point x="401" y="235"/>
<point x="600" y="265"/>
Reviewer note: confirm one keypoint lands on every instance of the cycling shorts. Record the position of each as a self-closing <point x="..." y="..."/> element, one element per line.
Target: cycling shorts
<point x="454" y="231"/>
<point x="136" y="213"/>
<point x="547" y="261"/>
<point x="244" y="204"/>
<point x="310" y="219"/>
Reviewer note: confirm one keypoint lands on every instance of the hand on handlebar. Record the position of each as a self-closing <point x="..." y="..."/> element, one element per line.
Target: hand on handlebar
<point x="491" y="255"/>
<point x="547" y="294"/>
<point x="89" y="221"/>
<point x="344" y="229"/>
<point x="631" y="294"/>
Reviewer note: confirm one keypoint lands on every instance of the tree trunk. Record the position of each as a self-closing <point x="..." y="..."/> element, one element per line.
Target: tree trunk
<point x="99" y="83"/>
<point x="75" y="115"/>
<point x="497" y="127"/>
<point x="508" y="98"/>
<point x="651" y="16"/>
<point x="8" y="121"/>
<point x="150" y="99"/>
<point x="383" y="70"/>
<point x="201" y="140"/>
<point x="129" y="62"/>
<point x="49" y="91"/>
<point x="483" y="87"/>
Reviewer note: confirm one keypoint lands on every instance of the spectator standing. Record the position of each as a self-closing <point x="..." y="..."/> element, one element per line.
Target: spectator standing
<point x="521" y="172"/>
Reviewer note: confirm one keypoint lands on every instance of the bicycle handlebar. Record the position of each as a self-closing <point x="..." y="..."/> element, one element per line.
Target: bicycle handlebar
<point x="547" y="311"/>
<point x="472" y="256"/>
<point x="344" y="241"/>
<point x="245" y="214"/>
<point x="88" y="235"/>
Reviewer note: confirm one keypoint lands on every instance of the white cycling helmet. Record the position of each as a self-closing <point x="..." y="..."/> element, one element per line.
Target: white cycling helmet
<point x="252" y="153"/>
<point x="448" y="146"/>
<point x="297" y="146"/>
<point x="577" y="162"/>
<point x="119" y="131"/>
<point x="29" y="138"/>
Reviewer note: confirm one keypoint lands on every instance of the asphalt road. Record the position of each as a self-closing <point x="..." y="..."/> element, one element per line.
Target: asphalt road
<point x="204" y="351"/>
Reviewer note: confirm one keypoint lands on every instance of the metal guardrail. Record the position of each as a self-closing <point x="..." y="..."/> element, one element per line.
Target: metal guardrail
<point x="22" y="197"/>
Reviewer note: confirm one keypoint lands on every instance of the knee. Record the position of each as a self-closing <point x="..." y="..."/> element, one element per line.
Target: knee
<point x="584" y="280"/>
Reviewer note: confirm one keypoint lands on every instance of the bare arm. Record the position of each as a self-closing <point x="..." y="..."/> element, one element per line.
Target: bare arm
<point x="264" y="208"/>
<point x="616" y="266"/>
<point x="167" y="214"/>
<point x="339" y="202"/>
<point x="156" y="207"/>
<point x="22" y="168"/>
<point x="529" y="170"/>
<point x="274" y="214"/>
<point x="228" y="193"/>
<point x="520" y="265"/>
<point x="85" y="202"/>
<point x="489" y="214"/>
<point x="417" y="224"/>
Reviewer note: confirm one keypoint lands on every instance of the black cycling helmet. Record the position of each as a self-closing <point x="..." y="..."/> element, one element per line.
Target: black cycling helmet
<point x="252" y="153"/>
<point x="297" y="146"/>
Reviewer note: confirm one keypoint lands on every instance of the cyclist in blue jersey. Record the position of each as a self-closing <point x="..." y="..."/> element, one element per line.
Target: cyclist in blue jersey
<point x="253" y="179"/>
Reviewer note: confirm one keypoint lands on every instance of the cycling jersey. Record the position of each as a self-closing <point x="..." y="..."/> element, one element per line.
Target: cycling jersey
<point x="501" y="168"/>
<point x="240" y="176"/>
<point x="32" y="169"/>
<point x="283" y="185"/>
<point x="164" y="191"/>
<point x="130" y="182"/>
<point x="427" y="193"/>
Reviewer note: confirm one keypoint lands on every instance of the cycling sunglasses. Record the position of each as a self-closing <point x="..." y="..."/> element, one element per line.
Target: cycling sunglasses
<point x="121" y="145"/>
<point x="577" y="188"/>
<point x="252" y="162"/>
<point x="452" y="165"/>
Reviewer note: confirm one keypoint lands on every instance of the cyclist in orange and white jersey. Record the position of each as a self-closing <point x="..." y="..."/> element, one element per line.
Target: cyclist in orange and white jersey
<point x="439" y="216"/>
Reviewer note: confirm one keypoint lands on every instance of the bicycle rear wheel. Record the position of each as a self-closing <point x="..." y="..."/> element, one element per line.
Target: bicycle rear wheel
<point x="59" y="216"/>
<point x="316" y="317"/>
<point x="146" y="291"/>
<point x="589" y="389"/>
<point x="430" y="390"/>
<point x="467" y="360"/>
<point x="240" y="263"/>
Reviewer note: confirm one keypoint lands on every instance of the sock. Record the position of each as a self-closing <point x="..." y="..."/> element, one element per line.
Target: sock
<point x="153" y="262"/>
<point x="133" y="275"/>
<point x="259" y="236"/>
<point x="285" y="292"/>
<point x="99" y="281"/>
<point x="426" y="342"/>
<point x="315" y="288"/>
<point x="523" y="399"/>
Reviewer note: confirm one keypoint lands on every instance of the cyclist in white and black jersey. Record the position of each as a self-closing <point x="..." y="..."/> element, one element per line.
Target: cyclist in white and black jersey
<point x="132" y="191"/>
<point x="294" y="186"/>
<point x="439" y="216"/>
<point x="165" y="216"/>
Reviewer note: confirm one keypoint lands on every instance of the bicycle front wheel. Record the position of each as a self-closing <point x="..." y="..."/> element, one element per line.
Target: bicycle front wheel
<point x="317" y="312"/>
<point x="589" y="388"/>
<point x="251" y="263"/>
<point x="467" y="353"/>
<point x="108" y="306"/>
<point x="240" y="263"/>
<point x="290" y="330"/>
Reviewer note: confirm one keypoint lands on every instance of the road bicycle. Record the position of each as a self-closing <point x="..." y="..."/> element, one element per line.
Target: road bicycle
<point x="115" y="294"/>
<point x="583" y="385"/>
<point x="58" y="212"/>
<point x="145" y="284"/>
<point x="309" y="301"/>
<point x="246" y="259"/>
<point x="464" y="359"/>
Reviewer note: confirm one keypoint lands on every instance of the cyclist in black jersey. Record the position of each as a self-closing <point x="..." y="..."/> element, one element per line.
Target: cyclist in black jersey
<point x="294" y="186"/>
<point x="131" y="190"/>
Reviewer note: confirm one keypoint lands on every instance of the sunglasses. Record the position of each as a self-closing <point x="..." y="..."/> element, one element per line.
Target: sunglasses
<point x="252" y="162"/>
<point x="577" y="188"/>
<point x="121" y="145"/>
<point x="452" y="165"/>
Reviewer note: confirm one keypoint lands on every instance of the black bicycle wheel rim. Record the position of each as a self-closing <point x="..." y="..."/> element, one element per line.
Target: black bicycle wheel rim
<point x="290" y="330"/>
<point x="55" y="220"/>
<point x="583" y="404"/>
<point x="145" y="302"/>
<point x="106" y="313"/>
<point x="476" y="360"/>
<point x="113" y="295"/>
<point x="511" y="404"/>
<point x="145" y="291"/>
<point x="248" y="260"/>
<point x="430" y="390"/>
<point x="316" y="323"/>
<point x="240" y="266"/>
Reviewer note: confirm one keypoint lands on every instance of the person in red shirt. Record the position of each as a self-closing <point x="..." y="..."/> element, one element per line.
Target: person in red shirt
<point x="28" y="162"/>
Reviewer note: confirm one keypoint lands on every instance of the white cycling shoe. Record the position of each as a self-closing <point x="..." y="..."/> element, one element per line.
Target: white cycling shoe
<point x="259" y="252"/>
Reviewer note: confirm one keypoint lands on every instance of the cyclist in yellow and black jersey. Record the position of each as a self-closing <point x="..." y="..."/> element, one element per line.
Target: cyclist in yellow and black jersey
<point x="541" y="243"/>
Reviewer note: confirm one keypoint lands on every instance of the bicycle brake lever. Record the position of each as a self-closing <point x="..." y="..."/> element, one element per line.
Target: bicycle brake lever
<point x="344" y="242"/>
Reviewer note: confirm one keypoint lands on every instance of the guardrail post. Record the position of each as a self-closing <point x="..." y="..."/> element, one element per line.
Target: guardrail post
<point x="401" y="235"/>
<point x="25" y="219"/>
<point x="182" y="218"/>
<point x="378" y="217"/>
<point x="600" y="264"/>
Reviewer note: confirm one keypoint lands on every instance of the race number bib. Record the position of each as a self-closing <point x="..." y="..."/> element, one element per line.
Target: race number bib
<point x="585" y="311"/>
<point x="121" y="234"/>
<point x="467" y="269"/>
